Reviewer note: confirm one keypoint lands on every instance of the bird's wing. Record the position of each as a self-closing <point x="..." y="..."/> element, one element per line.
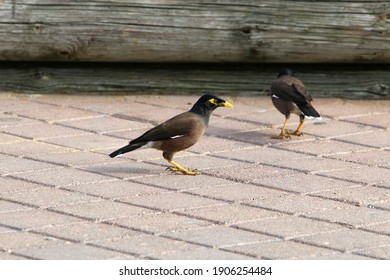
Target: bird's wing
<point x="301" y="89"/>
<point x="175" y="127"/>
<point x="291" y="89"/>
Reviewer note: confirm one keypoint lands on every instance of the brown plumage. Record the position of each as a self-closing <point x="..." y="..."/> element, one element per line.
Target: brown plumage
<point x="179" y="132"/>
<point x="290" y="96"/>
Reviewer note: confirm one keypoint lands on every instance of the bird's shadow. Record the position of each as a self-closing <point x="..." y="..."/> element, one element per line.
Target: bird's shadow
<point x="123" y="171"/>
<point x="255" y="137"/>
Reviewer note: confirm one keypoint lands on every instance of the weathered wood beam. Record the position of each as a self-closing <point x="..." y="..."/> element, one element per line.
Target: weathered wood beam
<point x="345" y="81"/>
<point x="272" y="31"/>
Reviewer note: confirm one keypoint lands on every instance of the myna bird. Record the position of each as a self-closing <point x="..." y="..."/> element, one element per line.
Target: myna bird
<point x="179" y="132"/>
<point x="289" y="96"/>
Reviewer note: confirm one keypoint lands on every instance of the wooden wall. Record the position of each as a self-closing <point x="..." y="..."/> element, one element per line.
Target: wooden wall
<point x="231" y="47"/>
<point x="266" y="31"/>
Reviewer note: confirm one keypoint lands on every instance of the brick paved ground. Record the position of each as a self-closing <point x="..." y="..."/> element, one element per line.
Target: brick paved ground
<point x="325" y="195"/>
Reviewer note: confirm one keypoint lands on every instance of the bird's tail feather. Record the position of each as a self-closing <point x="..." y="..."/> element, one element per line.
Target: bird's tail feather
<point x="309" y="111"/>
<point x="126" y="149"/>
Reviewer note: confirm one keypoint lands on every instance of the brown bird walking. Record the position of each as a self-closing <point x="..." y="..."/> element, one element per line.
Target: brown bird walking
<point x="178" y="133"/>
<point x="289" y="96"/>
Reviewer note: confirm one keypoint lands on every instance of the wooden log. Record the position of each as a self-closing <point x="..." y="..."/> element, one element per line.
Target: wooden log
<point x="271" y="31"/>
<point x="344" y="81"/>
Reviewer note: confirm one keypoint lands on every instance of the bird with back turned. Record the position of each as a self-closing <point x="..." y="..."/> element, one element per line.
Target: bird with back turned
<point x="290" y="96"/>
<point x="178" y="133"/>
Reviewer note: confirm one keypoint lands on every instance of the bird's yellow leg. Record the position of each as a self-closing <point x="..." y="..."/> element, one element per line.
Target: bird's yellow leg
<point x="282" y="134"/>
<point x="180" y="169"/>
<point x="297" y="132"/>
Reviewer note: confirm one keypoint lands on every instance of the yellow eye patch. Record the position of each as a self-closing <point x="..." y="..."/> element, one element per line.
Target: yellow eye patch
<point x="213" y="101"/>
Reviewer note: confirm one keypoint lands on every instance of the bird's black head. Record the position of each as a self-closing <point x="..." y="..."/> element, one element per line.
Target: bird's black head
<point x="207" y="103"/>
<point x="286" y="72"/>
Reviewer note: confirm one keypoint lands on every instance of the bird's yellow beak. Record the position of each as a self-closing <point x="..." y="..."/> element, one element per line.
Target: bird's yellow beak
<point x="227" y="104"/>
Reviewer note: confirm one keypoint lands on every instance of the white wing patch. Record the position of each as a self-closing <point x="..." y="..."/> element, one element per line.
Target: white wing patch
<point x="177" y="136"/>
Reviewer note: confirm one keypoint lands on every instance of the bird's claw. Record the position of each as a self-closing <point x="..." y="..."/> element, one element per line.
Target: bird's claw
<point x="175" y="170"/>
<point x="294" y="132"/>
<point x="281" y="136"/>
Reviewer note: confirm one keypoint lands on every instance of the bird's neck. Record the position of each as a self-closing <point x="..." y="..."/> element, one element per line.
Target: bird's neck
<point x="203" y="112"/>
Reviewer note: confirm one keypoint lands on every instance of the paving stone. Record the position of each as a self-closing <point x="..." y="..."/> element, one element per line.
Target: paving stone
<point x="40" y="131"/>
<point x="115" y="189"/>
<point x="347" y="240"/>
<point x="279" y="250"/>
<point x="339" y="256"/>
<point x="148" y="245"/>
<point x="31" y="148"/>
<point x="267" y="155"/>
<point x="353" y="215"/>
<point x="104" y="124"/>
<point x="70" y="251"/>
<point x="14" y="165"/>
<point x="305" y="183"/>
<point x="361" y="195"/>
<point x="202" y="254"/>
<point x="7" y="207"/>
<point x="102" y="210"/>
<point x="74" y="158"/>
<point x="45" y="112"/>
<point x="9" y="256"/>
<point x="376" y="138"/>
<point x="12" y="120"/>
<point x="323" y="147"/>
<point x="375" y="157"/>
<point x="16" y="241"/>
<point x="259" y="137"/>
<point x="87" y="232"/>
<point x="202" y="162"/>
<point x="63" y="176"/>
<point x="10" y="103"/>
<point x="381" y="204"/>
<point x="128" y="169"/>
<point x="152" y="114"/>
<point x="330" y="128"/>
<point x="288" y="227"/>
<point x="237" y="192"/>
<point x="299" y="204"/>
<point x="98" y="103"/>
<point x="375" y="119"/>
<point x="381" y="252"/>
<point x="87" y="142"/>
<point x="266" y="116"/>
<point x="230" y="213"/>
<point x="32" y="219"/>
<point x="225" y="128"/>
<point x="364" y="174"/>
<point x="46" y="197"/>
<point x="9" y="139"/>
<point x="221" y="236"/>
<point x="249" y="173"/>
<point x="215" y="145"/>
<point x="180" y="182"/>
<point x="317" y="164"/>
<point x="340" y="108"/>
<point x="382" y="227"/>
<point x="253" y="187"/>
<point x="160" y="223"/>
<point x="6" y="230"/>
<point x="170" y="201"/>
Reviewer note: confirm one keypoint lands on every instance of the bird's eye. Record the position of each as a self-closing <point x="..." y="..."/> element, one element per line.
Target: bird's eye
<point x="213" y="101"/>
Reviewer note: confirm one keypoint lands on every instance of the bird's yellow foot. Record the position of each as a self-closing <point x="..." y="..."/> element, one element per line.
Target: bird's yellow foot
<point x="183" y="171"/>
<point x="281" y="136"/>
<point x="294" y="132"/>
